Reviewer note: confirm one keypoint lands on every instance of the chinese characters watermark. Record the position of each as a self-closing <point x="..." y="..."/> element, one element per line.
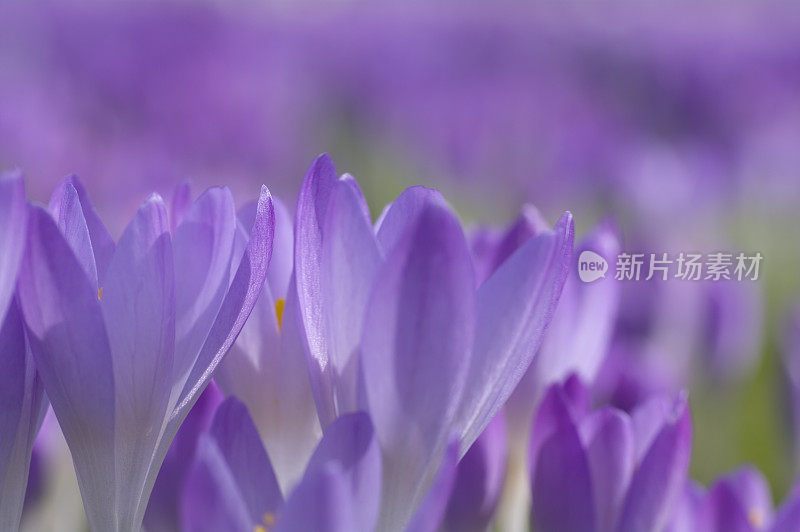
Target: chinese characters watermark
<point x="664" y="266"/>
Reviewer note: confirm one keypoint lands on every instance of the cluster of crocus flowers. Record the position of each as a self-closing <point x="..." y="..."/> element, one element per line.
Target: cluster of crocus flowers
<point x="258" y="370"/>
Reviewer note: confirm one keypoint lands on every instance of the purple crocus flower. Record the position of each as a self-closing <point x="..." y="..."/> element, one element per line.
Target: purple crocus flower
<point x="737" y="502"/>
<point x="232" y="485"/>
<point x="607" y="470"/>
<point x="395" y="326"/>
<point x="126" y="336"/>
<point x="21" y="391"/>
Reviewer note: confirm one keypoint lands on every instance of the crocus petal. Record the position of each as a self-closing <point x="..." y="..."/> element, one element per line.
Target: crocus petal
<point x="528" y="224"/>
<point x="21" y="394"/>
<point x="237" y="438"/>
<point x="72" y="224"/>
<point x="239" y="301"/>
<point x="138" y="302"/>
<point x="692" y="511"/>
<point x="578" y="337"/>
<point x="267" y="369"/>
<point x="13" y="213"/>
<point x="727" y="511"/>
<point x="431" y="511"/>
<point x="515" y="306"/>
<point x="203" y="247"/>
<point x="563" y="499"/>
<point x="102" y="241"/>
<point x="788" y="517"/>
<point x="418" y="332"/>
<point x="350" y="261"/>
<point x="211" y="500"/>
<point x="312" y="206"/>
<point x="163" y="510"/>
<point x="563" y="404"/>
<point x="610" y="449"/>
<point x="753" y="491"/>
<point x="180" y="204"/>
<point x="401" y="214"/>
<point x="321" y="502"/>
<point x="479" y="481"/>
<point x="657" y="482"/>
<point x="350" y="443"/>
<point x="282" y="264"/>
<point x="70" y="345"/>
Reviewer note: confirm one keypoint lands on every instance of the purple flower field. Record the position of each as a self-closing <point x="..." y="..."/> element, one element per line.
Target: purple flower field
<point x="399" y="267"/>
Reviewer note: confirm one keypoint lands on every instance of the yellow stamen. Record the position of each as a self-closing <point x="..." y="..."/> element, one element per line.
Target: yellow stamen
<point x="100" y="294"/>
<point x="756" y="517"/>
<point x="259" y="528"/>
<point x="279" y="304"/>
<point x="269" y="517"/>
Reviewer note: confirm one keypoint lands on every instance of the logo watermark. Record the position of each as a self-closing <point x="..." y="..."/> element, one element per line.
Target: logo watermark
<point x="591" y="266"/>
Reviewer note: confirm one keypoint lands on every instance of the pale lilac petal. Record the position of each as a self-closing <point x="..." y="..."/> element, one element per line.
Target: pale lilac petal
<point x="350" y="260"/>
<point x="577" y="340"/>
<point x="203" y="247"/>
<point x="21" y="394"/>
<point x="267" y="369"/>
<point x="236" y="307"/>
<point x="321" y="502"/>
<point x="648" y="419"/>
<point x="515" y="306"/>
<point x="479" y="481"/>
<point x="73" y="357"/>
<point x="660" y="476"/>
<point x="417" y="334"/>
<point x="66" y="209"/>
<point x="239" y="301"/>
<point x="238" y="441"/>
<point x="180" y="204"/>
<point x="610" y="449"/>
<point x="138" y="302"/>
<point x="350" y="443"/>
<point x="431" y="511"/>
<point x="563" y="498"/>
<point x="401" y="214"/>
<point x="13" y="214"/>
<point x="102" y="242"/>
<point x="282" y="264"/>
<point x="312" y="206"/>
<point x="529" y="224"/>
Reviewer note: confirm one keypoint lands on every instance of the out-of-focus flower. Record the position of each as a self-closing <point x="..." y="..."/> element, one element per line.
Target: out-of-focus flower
<point x="163" y="510"/>
<point x="267" y="369"/>
<point x="737" y="502"/>
<point x="13" y="218"/>
<point x="21" y="413"/>
<point x="394" y="324"/>
<point x="790" y="357"/>
<point x="607" y="470"/>
<point x="21" y="390"/>
<point x="126" y="336"/>
<point x="479" y="481"/>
